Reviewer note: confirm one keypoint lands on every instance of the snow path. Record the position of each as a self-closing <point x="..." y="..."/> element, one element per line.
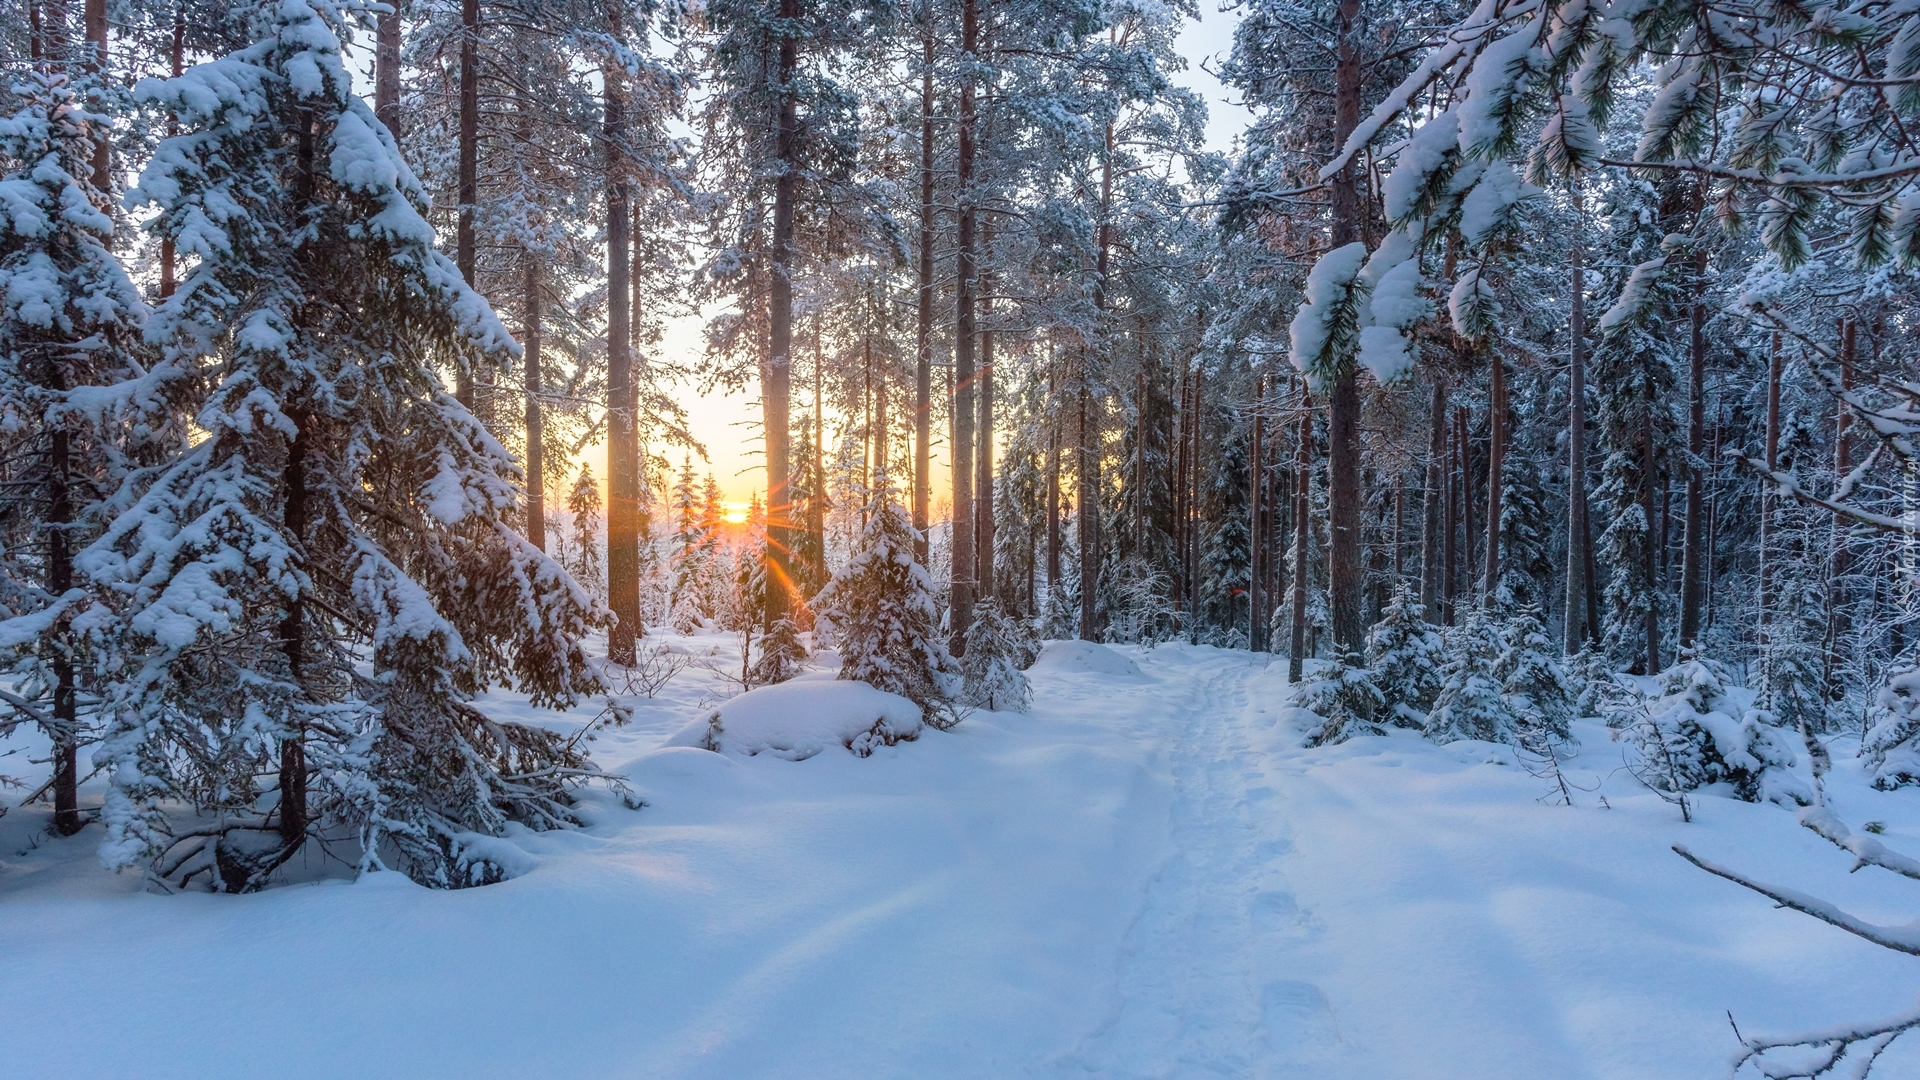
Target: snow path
<point x="1147" y="877"/>
<point x="1194" y="996"/>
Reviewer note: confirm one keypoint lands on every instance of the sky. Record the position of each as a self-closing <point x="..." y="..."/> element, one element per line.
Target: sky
<point x="725" y="423"/>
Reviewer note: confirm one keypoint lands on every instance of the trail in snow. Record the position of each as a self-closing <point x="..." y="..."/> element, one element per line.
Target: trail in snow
<point x="1147" y="877"/>
<point x="1201" y="982"/>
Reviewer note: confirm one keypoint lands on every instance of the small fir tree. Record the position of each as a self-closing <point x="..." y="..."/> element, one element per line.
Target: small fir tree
<point x="884" y="618"/>
<point x="586" y="559"/>
<point x="1530" y="676"/>
<point x="1472" y="704"/>
<point x="993" y="679"/>
<point x="1343" y="694"/>
<point x="782" y="656"/>
<point x="1404" y="657"/>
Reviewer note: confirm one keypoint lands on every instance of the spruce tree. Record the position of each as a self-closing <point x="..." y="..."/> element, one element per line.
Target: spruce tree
<point x="1404" y="657"/>
<point x="342" y="510"/>
<point x="883" y="616"/>
<point x="991" y="668"/>
<point x="1473" y="703"/>
<point x="77" y="413"/>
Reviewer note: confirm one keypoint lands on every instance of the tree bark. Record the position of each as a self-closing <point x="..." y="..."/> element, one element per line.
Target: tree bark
<point x="1089" y="480"/>
<point x="293" y="755"/>
<point x="1496" y="462"/>
<point x="536" y="444"/>
<point x="1053" y="482"/>
<point x="1345" y="579"/>
<point x="177" y="57"/>
<point x="1433" y="515"/>
<point x="1837" y="620"/>
<point x="623" y="539"/>
<point x="1693" y="591"/>
<point x="386" y="69"/>
<point x="1579" y="537"/>
<point x="1302" y="509"/>
<point x="469" y="165"/>
<point x="776" y="388"/>
<point x="923" y="335"/>
<point x="983" y="441"/>
<point x="1256" y="538"/>
<point x="1764" y="601"/>
<point x="1462" y="445"/>
<point x="96" y="68"/>
<point x="966" y="281"/>
<point x="1650" y="563"/>
<point x="66" y="713"/>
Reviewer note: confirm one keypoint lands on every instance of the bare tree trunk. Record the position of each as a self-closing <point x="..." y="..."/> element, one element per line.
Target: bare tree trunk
<point x="536" y="437"/>
<point x="1837" y="621"/>
<point x="1693" y="590"/>
<point x="1764" y="601"/>
<point x="1650" y="566"/>
<point x="965" y="558"/>
<point x="1302" y="511"/>
<point x="468" y="178"/>
<point x="1053" y="481"/>
<point x="983" y="455"/>
<point x="1431" y="515"/>
<point x="776" y="388"/>
<point x="1345" y="580"/>
<point x="386" y="69"/>
<point x="177" y="56"/>
<point x="623" y="539"/>
<point x="96" y="68"/>
<point x="1579" y="538"/>
<point x="66" y="713"/>
<point x="1496" y="461"/>
<point x="1089" y="480"/>
<point x="1463" y="448"/>
<point x="1449" y="578"/>
<point x="1256" y="545"/>
<point x="923" y="333"/>
<point x="293" y="755"/>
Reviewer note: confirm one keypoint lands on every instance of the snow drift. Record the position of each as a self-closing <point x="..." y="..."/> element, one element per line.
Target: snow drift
<point x="797" y="720"/>
<point x="1084" y="658"/>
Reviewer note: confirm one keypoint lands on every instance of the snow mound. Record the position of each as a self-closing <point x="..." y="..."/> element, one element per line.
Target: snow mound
<point x="1084" y="658"/>
<point x="801" y="718"/>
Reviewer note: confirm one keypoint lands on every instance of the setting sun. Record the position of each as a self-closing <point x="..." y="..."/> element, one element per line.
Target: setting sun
<point x="736" y="513"/>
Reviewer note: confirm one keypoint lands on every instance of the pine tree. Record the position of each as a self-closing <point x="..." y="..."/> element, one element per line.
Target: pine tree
<point x="1892" y="747"/>
<point x="1536" y="689"/>
<point x="782" y="656"/>
<point x="1404" y="657"/>
<point x="991" y="668"/>
<point x="883" y="616"/>
<point x="1343" y="694"/>
<point x="587" y="561"/>
<point x="342" y="508"/>
<point x="77" y="416"/>
<point x="1473" y="704"/>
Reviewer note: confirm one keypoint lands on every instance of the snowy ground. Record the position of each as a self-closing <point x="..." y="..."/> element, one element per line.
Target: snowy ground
<point x="1146" y="877"/>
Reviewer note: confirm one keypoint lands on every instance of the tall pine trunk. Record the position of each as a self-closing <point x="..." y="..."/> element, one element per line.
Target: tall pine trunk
<point x="1580" y="587"/>
<point x="1089" y="479"/>
<point x="468" y="179"/>
<point x="983" y="438"/>
<point x="777" y="386"/>
<point x="176" y="56"/>
<point x="1693" y="590"/>
<point x="386" y="69"/>
<point x="1432" y="513"/>
<point x="1764" y="601"/>
<point x="96" y="68"/>
<point x="1256" y="544"/>
<point x="1344" y="577"/>
<point x="1496" y="462"/>
<point x="1837" y="620"/>
<point x="536" y="445"/>
<point x="1302" y="511"/>
<point x="923" y="331"/>
<point x="1053" y="481"/>
<point x="966" y="274"/>
<point x="623" y="540"/>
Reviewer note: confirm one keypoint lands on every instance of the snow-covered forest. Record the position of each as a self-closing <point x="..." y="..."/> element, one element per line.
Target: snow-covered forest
<point x="1427" y="591"/>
